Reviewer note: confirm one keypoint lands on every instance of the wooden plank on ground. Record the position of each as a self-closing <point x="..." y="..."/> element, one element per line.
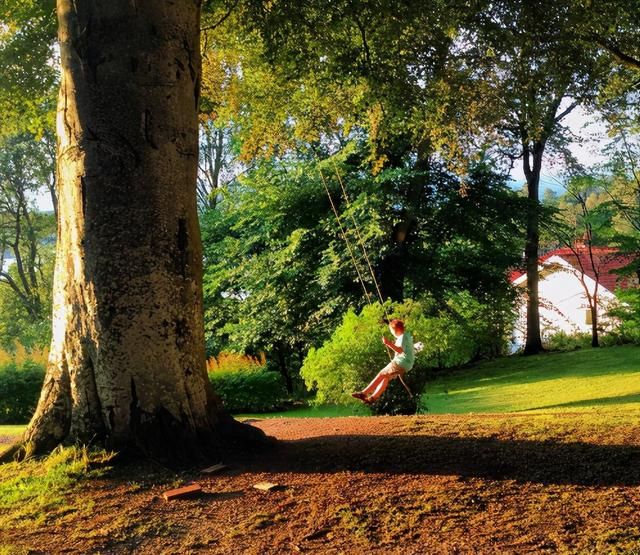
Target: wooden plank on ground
<point x="183" y="492"/>
<point x="215" y="468"/>
<point x="268" y="486"/>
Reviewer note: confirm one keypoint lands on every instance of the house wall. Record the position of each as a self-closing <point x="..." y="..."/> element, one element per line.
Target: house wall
<point x="563" y="302"/>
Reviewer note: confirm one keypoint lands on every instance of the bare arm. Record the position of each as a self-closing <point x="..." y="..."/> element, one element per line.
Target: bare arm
<point x="393" y="346"/>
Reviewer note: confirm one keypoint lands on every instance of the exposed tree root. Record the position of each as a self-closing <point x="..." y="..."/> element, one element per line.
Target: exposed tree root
<point x="15" y="452"/>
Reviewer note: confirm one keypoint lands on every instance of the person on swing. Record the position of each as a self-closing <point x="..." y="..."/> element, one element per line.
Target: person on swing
<point x="401" y="363"/>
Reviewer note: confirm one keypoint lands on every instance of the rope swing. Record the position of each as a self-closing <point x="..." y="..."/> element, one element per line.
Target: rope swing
<point x="363" y="248"/>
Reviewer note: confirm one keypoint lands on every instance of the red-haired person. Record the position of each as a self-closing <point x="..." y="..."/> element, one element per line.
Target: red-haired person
<point x="401" y="363"/>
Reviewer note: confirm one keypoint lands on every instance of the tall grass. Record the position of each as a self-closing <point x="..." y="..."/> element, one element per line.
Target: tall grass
<point x="235" y="362"/>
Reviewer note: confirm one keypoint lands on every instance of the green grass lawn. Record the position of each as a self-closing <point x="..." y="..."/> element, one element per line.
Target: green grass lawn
<point x="11" y="429"/>
<point x="582" y="380"/>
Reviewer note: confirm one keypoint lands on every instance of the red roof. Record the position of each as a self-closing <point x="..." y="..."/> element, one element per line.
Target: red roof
<point x="605" y="260"/>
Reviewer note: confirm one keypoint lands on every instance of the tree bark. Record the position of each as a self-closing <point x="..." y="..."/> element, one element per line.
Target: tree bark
<point x="127" y="362"/>
<point x="533" y="343"/>
<point x="284" y="369"/>
<point x="595" y="340"/>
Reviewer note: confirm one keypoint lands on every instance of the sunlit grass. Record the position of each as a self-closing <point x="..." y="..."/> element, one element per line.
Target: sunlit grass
<point x="585" y="380"/>
<point x="12" y="429"/>
<point x="35" y="490"/>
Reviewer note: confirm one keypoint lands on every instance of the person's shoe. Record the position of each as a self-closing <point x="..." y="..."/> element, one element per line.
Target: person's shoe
<point x="359" y="395"/>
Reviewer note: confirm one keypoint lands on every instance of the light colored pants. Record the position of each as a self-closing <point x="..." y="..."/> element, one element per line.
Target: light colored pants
<point x="381" y="381"/>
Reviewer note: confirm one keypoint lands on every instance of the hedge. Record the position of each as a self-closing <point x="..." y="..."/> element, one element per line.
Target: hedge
<point x="250" y="391"/>
<point x="20" y="387"/>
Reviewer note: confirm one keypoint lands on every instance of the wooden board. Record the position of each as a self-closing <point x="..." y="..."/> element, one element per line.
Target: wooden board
<point x="183" y="492"/>
<point x="268" y="486"/>
<point x="215" y="468"/>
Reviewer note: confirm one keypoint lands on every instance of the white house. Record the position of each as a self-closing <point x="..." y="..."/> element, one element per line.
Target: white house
<point x="7" y="260"/>
<point x="566" y="275"/>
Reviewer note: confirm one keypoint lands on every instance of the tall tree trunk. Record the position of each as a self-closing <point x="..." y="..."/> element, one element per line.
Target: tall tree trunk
<point x="284" y="369"/>
<point x="533" y="343"/>
<point x="392" y="269"/>
<point x="595" y="340"/>
<point x="127" y="362"/>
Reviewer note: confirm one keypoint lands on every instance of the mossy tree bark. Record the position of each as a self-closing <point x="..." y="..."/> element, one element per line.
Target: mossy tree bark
<point x="127" y="362"/>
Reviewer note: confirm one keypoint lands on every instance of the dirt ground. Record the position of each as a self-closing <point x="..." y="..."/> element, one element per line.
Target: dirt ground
<point x="389" y="485"/>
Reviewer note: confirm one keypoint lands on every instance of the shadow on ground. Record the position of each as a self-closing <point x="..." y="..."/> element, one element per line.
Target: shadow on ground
<point x="546" y="462"/>
<point x="599" y="401"/>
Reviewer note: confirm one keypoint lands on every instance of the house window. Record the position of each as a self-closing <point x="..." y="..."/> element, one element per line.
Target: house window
<point x="589" y="319"/>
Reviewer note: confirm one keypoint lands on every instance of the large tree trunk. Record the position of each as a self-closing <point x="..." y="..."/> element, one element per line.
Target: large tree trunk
<point x="533" y="343"/>
<point x="127" y="362"/>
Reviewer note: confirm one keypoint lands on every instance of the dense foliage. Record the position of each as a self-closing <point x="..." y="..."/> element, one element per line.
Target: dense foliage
<point x="20" y="385"/>
<point x="628" y="314"/>
<point x="279" y="275"/>
<point x="250" y="390"/>
<point x="454" y="331"/>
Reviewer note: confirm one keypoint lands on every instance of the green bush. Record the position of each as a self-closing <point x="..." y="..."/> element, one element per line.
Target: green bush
<point x="349" y="359"/>
<point x="453" y="332"/>
<point x="627" y="316"/>
<point x="562" y="341"/>
<point x="396" y="399"/>
<point x="20" y="387"/>
<point x="250" y="391"/>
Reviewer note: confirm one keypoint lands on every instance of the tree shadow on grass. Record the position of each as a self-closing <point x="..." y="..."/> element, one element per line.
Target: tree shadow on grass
<point x="524" y="370"/>
<point x="600" y="401"/>
<point x="546" y="462"/>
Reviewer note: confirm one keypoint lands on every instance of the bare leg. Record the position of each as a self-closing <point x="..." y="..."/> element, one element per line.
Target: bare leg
<point x="374" y="384"/>
<point x="381" y="381"/>
<point x="381" y="388"/>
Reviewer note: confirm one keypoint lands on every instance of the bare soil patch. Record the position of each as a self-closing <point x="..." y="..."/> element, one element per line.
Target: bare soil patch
<point x="392" y="485"/>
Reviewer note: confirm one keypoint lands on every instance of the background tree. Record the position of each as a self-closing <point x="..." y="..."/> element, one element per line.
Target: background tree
<point x="279" y="276"/>
<point x="27" y="239"/>
<point x="531" y="72"/>
<point x="583" y="225"/>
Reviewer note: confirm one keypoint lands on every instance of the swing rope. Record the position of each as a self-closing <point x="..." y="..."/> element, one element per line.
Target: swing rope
<point x="360" y="240"/>
<point x="344" y="236"/>
<point x="345" y="196"/>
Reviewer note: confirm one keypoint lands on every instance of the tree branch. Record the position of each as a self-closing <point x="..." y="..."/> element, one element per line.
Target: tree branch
<point x="365" y="44"/>
<point x="623" y="57"/>
<point x="222" y="19"/>
<point x="566" y="112"/>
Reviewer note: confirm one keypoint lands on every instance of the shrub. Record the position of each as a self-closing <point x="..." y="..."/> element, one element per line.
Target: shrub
<point x="453" y="333"/>
<point x="349" y="359"/>
<point x="396" y="400"/>
<point x="627" y="315"/>
<point x="20" y="385"/>
<point x="563" y="341"/>
<point x="249" y="390"/>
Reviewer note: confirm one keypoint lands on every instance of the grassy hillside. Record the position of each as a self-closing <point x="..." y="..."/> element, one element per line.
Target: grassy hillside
<point x="581" y="380"/>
